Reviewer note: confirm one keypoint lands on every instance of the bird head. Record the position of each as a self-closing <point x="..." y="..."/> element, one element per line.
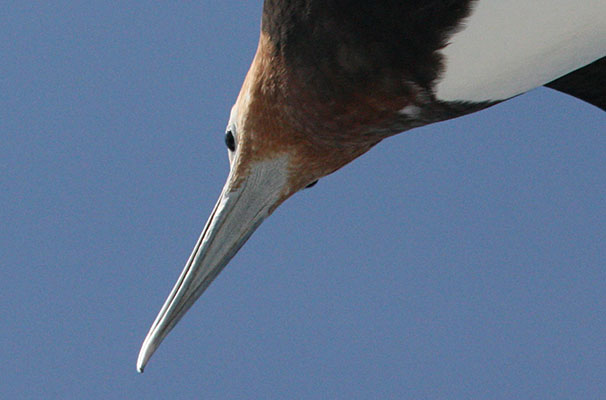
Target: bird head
<point x="273" y="154"/>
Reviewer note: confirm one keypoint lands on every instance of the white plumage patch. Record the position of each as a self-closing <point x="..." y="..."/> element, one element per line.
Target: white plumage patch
<point x="411" y="111"/>
<point x="508" y="47"/>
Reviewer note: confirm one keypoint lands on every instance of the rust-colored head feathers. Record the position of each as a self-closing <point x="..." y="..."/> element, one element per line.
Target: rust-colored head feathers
<point x="276" y="114"/>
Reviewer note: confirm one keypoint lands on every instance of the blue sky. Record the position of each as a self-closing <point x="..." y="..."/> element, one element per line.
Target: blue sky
<point x="460" y="260"/>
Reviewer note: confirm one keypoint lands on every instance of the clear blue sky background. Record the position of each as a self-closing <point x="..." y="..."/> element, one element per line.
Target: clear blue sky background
<point x="461" y="260"/>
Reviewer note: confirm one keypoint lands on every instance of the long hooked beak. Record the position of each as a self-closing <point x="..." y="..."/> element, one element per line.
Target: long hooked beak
<point x="241" y="208"/>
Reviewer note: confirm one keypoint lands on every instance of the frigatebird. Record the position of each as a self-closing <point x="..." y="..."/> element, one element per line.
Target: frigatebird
<point x="330" y="79"/>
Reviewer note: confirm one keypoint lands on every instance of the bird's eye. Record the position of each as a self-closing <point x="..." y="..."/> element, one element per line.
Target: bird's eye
<point x="230" y="141"/>
<point x="311" y="184"/>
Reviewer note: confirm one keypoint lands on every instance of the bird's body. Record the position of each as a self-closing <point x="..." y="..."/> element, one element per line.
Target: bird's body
<point x="332" y="78"/>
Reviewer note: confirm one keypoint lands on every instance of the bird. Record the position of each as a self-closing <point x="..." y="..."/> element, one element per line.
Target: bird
<point x="332" y="78"/>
